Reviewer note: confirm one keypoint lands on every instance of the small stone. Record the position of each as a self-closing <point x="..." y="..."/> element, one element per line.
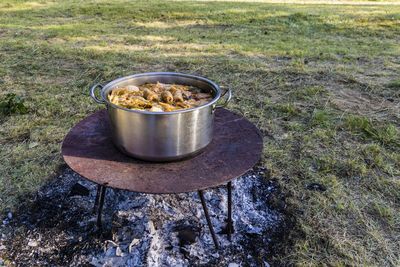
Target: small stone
<point x="266" y="264"/>
<point x="316" y="187"/>
<point x="215" y="255"/>
<point x="134" y="243"/>
<point x="118" y="252"/>
<point x="32" y="243"/>
<point x="79" y="190"/>
<point x="2" y="247"/>
<point x="9" y="215"/>
<point x="151" y="228"/>
<point x="187" y="236"/>
<point x="5" y="222"/>
<point x="232" y="264"/>
<point x="110" y="243"/>
<point x="33" y="144"/>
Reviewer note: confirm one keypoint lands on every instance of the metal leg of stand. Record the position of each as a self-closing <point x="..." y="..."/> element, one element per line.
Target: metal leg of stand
<point x="102" y="192"/>
<point x="96" y="200"/>
<point x="203" y="203"/>
<point x="230" y="222"/>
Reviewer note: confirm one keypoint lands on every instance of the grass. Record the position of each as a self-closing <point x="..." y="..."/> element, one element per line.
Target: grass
<point x="321" y="82"/>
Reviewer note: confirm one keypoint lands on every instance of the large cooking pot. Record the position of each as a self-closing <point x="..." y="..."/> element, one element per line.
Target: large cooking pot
<point x="162" y="136"/>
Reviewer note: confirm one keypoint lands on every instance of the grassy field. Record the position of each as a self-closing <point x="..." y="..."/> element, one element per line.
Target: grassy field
<point x="321" y="81"/>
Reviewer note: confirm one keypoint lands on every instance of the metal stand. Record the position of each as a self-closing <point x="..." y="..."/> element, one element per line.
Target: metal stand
<point x="203" y="203"/>
<point x="99" y="202"/>
<point x="101" y="192"/>
<point x="230" y="222"/>
<point x="96" y="201"/>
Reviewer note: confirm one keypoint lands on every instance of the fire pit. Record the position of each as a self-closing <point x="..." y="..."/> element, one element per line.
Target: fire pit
<point x="236" y="147"/>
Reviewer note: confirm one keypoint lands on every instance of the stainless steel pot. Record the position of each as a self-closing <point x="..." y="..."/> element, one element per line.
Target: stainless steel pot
<point x="162" y="136"/>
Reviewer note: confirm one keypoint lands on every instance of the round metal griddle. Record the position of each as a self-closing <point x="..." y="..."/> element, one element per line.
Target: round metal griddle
<point x="236" y="148"/>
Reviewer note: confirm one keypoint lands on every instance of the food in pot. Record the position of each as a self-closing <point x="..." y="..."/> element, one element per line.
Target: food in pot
<point x="178" y="96"/>
<point x="167" y="97"/>
<point x="159" y="97"/>
<point x="150" y="95"/>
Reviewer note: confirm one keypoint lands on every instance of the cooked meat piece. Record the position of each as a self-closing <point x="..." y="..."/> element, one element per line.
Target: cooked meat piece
<point x="187" y="95"/>
<point x="178" y="96"/>
<point x="167" y="97"/>
<point x="176" y="87"/>
<point x="150" y="95"/>
<point x="159" y="87"/>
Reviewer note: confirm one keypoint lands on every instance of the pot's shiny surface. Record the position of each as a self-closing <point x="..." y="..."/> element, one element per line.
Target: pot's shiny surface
<point x="161" y="136"/>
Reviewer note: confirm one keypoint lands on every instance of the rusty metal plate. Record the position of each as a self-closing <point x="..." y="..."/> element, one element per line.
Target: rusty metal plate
<point x="236" y="148"/>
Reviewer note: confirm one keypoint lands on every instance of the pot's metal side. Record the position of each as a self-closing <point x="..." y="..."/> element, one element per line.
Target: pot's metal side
<point x="158" y="159"/>
<point x="161" y="138"/>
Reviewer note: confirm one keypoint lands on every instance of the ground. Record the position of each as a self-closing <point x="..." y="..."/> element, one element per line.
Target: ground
<point x="320" y="80"/>
<point x="59" y="227"/>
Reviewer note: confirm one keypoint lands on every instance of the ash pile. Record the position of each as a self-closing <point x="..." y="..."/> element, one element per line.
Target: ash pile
<point x="58" y="226"/>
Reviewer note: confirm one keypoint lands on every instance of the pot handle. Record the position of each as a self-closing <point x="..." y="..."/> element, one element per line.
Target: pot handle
<point x="92" y="90"/>
<point x="227" y="98"/>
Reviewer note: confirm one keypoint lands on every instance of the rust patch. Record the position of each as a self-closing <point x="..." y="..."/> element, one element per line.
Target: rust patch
<point x="235" y="149"/>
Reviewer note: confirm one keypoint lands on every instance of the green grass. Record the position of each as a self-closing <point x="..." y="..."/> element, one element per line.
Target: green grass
<point x="386" y="134"/>
<point x="320" y="81"/>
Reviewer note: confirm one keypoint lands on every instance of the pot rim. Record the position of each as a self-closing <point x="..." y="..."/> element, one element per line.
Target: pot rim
<point x="116" y="81"/>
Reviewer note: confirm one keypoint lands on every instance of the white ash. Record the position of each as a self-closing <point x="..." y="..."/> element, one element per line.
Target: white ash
<point x="143" y="229"/>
